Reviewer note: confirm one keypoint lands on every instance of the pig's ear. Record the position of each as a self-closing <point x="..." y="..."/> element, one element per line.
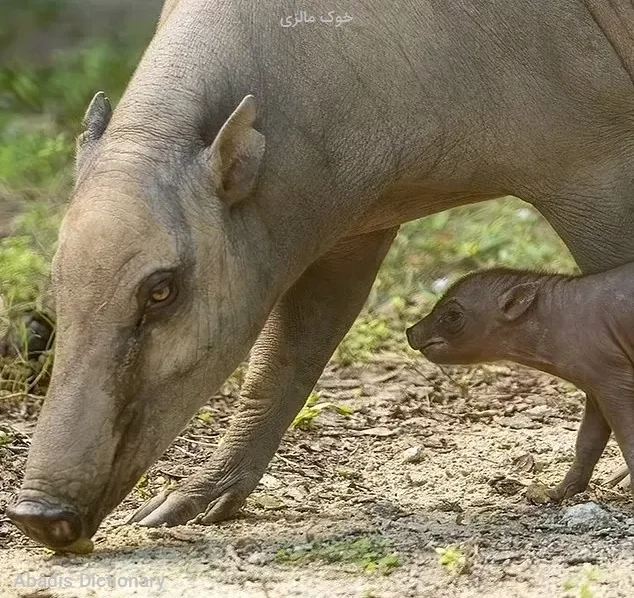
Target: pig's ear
<point x="94" y="124"/>
<point x="514" y="302"/>
<point x="236" y="154"/>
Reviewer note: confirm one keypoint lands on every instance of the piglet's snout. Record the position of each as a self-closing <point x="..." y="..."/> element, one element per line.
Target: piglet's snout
<point x="413" y="337"/>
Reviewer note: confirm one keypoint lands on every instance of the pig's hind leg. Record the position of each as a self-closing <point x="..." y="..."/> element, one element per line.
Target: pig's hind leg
<point x="592" y="437"/>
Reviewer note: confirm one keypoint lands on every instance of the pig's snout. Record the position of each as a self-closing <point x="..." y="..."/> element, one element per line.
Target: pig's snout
<point x="54" y="526"/>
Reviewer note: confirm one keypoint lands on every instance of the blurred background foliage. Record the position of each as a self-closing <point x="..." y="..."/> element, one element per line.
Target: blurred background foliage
<point x="54" y="55"/>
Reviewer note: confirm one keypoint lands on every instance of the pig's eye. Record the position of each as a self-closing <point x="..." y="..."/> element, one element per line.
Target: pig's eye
<point x="158" y="291"/>
<point x="161" y="293"/>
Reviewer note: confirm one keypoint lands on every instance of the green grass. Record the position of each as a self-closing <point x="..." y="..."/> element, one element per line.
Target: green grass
<point x="42" y="107"/>
<point x="583" y="584"/>
<point x="369" y="554"/>
<point x="453" y="559"/>
<point x="309" y="413"/>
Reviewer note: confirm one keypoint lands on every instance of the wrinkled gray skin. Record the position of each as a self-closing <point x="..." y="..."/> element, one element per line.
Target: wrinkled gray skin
<point x="273" y="227"/>
<point x="577" y="328"/>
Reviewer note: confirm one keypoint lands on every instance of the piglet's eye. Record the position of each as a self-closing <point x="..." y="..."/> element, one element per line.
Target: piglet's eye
<point x="453" y="320"/>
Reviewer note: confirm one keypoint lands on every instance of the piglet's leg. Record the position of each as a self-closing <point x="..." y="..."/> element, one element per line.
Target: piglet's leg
<point x="592" y="437"/>
<point x="618" y="407"/>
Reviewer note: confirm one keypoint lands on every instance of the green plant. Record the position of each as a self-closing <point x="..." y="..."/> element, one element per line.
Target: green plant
<point x="22" y="271"/>
<point x="582" y="586"/>
<point x="367" y="553"/>
<point x="204" y="416"/>
<point x="5" y="438"/>
<point x="453" y="559"/>
<point x="312" y="409"/>
<point x="142" y="487"/>
<point x="367" y="336"/>
<point x="34" y="159"/>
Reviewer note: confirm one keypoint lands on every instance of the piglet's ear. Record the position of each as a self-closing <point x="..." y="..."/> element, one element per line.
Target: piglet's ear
<point x="514" y="302"/>
<point x="236" y="154"/>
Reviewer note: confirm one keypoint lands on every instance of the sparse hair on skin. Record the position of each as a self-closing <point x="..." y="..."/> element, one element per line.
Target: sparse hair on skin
<point x="501" y="278"/>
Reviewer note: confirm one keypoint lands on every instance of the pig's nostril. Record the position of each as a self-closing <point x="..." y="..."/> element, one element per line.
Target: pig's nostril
<point x="55" y="527"/>
<point x="61" y="530"/>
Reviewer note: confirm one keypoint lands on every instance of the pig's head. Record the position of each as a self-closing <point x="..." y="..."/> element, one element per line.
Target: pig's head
<point x="160" y="283"/>
<point x="478" y="318"/>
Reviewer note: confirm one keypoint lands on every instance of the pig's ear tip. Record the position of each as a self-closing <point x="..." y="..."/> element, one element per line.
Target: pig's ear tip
<point x="249" y="106"/>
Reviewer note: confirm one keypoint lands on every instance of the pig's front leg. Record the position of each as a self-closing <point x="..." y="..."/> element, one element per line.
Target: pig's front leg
<point x="592" y="437"/>
<point x="300" y="336"/>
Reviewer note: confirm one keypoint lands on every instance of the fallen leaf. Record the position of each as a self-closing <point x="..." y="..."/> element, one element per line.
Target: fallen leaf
<point x="537" y="493"/>
<point x="506" y="486"/>
<point x="269" y="502"/>
<point x="382" y="432"/>
<point x="524" y="463"/>
<point x="270" y="483"/>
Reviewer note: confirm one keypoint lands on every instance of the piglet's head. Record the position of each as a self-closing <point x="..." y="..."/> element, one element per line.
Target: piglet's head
<point x="477" y="319"/>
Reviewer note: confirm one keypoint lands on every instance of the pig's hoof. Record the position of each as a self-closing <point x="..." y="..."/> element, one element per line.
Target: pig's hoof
<point x="179" y="507"/>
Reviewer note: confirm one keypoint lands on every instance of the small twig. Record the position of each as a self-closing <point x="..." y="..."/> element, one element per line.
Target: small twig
<point x="450" y="377"/>
<point x="19" y="395"/>
<point x="619" y="476"/>
<point x="413" y="365"/>
<point x="176" y="476"/>
<point x="288" y="462"/>
<point x="43" y="371"/>
<point x="199" y="442"/>
<point x="611" y="491"/>
<point x="182" y="450"/>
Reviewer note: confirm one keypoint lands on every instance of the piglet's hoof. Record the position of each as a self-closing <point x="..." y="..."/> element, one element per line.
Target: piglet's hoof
<point x="565" y="489"/>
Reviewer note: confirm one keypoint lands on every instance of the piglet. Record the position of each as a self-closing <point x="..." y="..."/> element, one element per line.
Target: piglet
<point x="579" y="328"/>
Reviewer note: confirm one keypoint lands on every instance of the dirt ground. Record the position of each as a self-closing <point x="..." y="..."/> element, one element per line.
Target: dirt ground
<point x="356" y="505"/>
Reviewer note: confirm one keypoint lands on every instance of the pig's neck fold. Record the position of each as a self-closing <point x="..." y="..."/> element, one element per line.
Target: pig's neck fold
<point x="544" y="340"/>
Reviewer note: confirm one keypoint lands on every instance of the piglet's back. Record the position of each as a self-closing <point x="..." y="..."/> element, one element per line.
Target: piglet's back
<point x="605" y="306"/>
